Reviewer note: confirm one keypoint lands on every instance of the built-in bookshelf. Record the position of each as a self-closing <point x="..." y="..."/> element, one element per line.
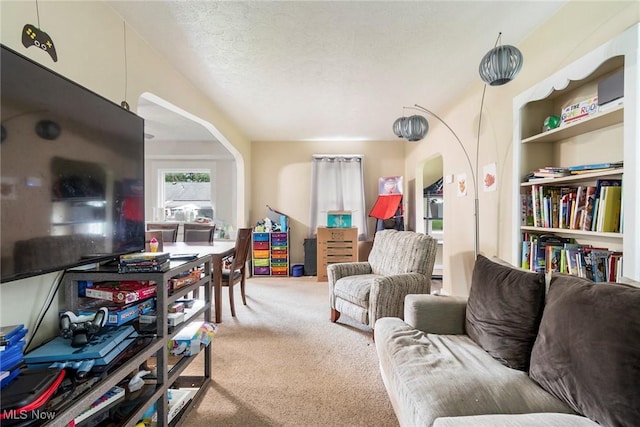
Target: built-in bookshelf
<point x="578" y="210"/>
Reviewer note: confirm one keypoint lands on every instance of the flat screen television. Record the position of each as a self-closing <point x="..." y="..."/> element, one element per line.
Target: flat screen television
<point x="71" y="173"/>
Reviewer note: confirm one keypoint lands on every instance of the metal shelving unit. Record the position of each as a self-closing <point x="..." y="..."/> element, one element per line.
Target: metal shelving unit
<point x="158" y="346"/>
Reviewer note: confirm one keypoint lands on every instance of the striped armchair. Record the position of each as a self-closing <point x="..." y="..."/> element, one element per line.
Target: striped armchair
<point x="400" y="263"/>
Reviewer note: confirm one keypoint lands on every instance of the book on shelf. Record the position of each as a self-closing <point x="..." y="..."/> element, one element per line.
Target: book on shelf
<point x="526" y="210"/>
<point x="144" y="256"/>
<point x="599" y="262"/>
<point x="596" y="166"/>
<point x="614" y="267"/>
<point x="603" y="182"/>
<point x="621" y="215"/>
<point x="586" y="214"/>
<point x="144" y="267"/>
<point x="567" y="251"/>
<point x="551" y="172"/>
<point x="578" y="208"/>
<point x="609" y="210"/>
<point x="552" y="258"/>
<point x="561" y="172"/>
<point x="582" y="207"/>
<point x="582" y="172"/>
<point x="550" y="253"/>
<point x="535" y="203"/>
<point x="573" y="267"/>
<point x="537" y="248"/>
<point x="526" y="255"/>
<point x="567" y="196"/>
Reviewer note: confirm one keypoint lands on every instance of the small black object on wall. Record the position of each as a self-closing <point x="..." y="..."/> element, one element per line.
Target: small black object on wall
<point x="48" y="129"/>
<point x="33" y="36"/>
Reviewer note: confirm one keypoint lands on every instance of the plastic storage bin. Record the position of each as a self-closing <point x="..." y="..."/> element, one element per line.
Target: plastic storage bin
<point x="297" y="270"/>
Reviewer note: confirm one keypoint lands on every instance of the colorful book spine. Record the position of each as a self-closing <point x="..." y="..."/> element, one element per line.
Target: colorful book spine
<point x="610" y="209"/>
<point x="535" y="201"/>
<point x="526" y="255"/>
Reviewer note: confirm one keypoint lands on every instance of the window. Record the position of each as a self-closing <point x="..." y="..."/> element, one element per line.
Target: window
<point x="337" y="183"/>
<point x="186" y="194"/>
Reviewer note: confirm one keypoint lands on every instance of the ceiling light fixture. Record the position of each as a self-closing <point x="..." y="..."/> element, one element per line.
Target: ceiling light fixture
<point x="498" y="66"/>
<point x="412" y="128"/>
<point x="501" y="64"/>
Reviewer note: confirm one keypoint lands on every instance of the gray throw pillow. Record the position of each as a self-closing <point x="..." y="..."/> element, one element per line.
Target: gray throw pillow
<point x="588" y="349"/>
<point x="504" y="310"/>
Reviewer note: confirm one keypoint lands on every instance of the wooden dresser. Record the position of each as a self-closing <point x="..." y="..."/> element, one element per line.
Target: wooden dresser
<point x="335" y="245"/>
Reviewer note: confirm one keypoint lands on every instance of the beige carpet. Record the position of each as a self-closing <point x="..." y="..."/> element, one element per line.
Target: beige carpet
<point x="281" y="362"/>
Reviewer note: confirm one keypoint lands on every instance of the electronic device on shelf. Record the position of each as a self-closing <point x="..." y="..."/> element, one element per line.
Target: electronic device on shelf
<point x="80" y="328"/>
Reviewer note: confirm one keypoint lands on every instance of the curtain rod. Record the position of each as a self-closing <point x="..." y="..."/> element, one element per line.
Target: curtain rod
<point x="334" y="156"/>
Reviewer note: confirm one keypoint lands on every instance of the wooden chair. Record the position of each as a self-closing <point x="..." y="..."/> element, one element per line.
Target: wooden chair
<point x="237" y="272"/>
<point x="199" y="232"/>
<point x="148" y="235"/>
<point x="169" y="230"/>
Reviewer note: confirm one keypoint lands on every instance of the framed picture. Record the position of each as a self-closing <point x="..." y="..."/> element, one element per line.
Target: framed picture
<point x="390" y="185"/>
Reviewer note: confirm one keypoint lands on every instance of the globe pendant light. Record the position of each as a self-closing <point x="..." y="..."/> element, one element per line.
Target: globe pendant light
<point x="397" y="126"/>
<point x="414" y="128"/>
<point x="500" y="65"/>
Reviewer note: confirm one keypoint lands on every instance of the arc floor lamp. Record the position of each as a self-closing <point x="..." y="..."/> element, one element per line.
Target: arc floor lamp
<point x="498" y="66"/>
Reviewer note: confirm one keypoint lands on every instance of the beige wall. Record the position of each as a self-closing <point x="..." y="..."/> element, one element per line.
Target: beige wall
<point x="281" y="178"/>
<point x="88" y="37"/>
<point x="575" y="30"/>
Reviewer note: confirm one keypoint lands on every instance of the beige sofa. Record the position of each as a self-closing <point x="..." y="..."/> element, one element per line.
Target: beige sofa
<point x="513" y="354"/>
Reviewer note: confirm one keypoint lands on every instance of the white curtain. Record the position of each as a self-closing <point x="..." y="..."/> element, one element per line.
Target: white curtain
<point x="337" y="183"/>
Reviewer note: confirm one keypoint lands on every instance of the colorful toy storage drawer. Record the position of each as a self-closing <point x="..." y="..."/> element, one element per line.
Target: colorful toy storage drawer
<point x="270" y="254"/>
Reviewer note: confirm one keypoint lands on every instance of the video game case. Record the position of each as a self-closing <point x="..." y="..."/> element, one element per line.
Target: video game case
<point x="114" y="395"/>
<point x="145" y="256"/>
<point x="11" y="335"/>
<point x="128" y="268"/>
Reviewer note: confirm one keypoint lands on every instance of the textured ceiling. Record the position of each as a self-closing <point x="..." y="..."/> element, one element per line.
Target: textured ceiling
<point x="329" y="70"/>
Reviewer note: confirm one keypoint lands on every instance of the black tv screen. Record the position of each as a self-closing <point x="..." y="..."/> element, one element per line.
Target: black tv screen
<point x="71" y="176"/>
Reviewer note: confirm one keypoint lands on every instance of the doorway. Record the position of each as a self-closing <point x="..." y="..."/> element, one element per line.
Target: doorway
<point x="430" y="206"/>
<point x="180" y="142"/>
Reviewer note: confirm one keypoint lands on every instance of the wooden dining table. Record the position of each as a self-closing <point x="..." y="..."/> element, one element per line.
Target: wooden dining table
<point x="219" y="250"/>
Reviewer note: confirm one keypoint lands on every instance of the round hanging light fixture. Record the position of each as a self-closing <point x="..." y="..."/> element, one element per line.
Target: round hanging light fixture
<point x="500" y="65"/>
<point x="414" y="128"/>
<point x="397" y="126"/>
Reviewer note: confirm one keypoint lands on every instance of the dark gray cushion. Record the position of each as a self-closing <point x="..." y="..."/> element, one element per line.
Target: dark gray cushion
<point x="588" y="349"/>
<point x="504" y="310"/>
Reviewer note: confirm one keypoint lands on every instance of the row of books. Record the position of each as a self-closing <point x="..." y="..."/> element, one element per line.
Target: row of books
<point x="562" y="255"/>
<point x="592" y="208"/>
<point x="559" y="172"/>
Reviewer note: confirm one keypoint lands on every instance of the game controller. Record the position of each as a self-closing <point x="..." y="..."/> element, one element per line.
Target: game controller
<point x="32" y="36"/>
<point x="81" y="328"/>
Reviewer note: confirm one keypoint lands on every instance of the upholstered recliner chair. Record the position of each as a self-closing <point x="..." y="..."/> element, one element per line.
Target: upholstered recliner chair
<point x="400" y="263"/>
